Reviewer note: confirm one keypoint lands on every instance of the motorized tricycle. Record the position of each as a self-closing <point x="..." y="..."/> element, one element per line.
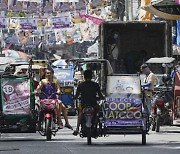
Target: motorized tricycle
<point x="18" y="114"/>
<point x="162" y="102"/>
<point x="122" y="110"/>
<point x="161" y="109"/>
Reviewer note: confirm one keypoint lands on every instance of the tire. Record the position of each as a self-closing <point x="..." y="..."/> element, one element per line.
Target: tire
<point x="154" y="124"/>
<point x="36" y="112"/>
<point x="48" y="129"/>
<point x="158" y="123"/>
<point x="89" y="136"/>
<point x="153" y="127"/>
<point x="143" y="137"/>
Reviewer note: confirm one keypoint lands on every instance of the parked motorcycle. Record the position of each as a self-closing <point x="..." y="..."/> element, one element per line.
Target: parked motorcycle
<point x="162" y="107"/>
<point x="47" y="118"/>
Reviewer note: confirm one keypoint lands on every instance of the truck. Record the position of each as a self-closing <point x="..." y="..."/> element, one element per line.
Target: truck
<point x="128" y="44"/>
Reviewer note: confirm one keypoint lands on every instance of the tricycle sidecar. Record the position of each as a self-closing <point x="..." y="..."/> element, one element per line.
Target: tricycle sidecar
<point x="17" y="105"/>
<point x="122" y="109"/>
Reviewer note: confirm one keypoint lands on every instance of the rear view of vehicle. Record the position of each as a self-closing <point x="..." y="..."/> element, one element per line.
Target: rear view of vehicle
<point x="161" y="110"/>
<point x="87" y="124"/>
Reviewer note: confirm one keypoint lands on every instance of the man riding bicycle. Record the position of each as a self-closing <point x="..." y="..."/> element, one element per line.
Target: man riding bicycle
<point x="88" y="91"/>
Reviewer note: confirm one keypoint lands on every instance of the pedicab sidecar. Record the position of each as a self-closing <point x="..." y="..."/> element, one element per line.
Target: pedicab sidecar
<point x="17" y="113"/>
<point x="17" y="107"/>
<point x="122" y="109"/>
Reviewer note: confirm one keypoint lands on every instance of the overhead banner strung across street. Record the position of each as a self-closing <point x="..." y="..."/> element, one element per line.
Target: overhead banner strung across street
<point x="60" y="22"/>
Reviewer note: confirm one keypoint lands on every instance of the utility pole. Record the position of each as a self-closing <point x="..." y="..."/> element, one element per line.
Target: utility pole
<point x="127" y="10"/>
<point x="130" y="8"/>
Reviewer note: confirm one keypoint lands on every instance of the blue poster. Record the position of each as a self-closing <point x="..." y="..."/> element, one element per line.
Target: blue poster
<point x="122" y="112"/>
<point x="178" y="32"/>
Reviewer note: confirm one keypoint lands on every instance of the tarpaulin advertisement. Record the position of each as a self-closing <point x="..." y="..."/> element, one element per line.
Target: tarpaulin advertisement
<point x="123" y="105"/>
<point x="123" y="86"/>
<point x="27" y="23"/>
<point x="15" y="96"/>
<point x="122" y="112"/>
<point x="3" y="23"/>
<point x="60" y="22"/>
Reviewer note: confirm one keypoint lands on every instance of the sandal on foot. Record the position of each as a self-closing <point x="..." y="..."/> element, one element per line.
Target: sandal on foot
<point x="60" y="126"/>
<point x="76" y="132"/>
<point x="68" y="126"/>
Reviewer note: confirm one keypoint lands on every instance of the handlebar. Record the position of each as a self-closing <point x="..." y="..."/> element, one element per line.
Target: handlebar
<point x="38" y="93"/>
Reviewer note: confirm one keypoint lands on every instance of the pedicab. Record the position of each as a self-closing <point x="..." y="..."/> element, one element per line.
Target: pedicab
<point x="162" y="103"/>
<point x="176" y="103"/>
<point x="121" y="112"/>
<point x="65" y="75"/>
<point x="17" y="107"/>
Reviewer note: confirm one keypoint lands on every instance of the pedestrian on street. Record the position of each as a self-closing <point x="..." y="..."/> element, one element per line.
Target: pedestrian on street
<point x="148" y="86"/>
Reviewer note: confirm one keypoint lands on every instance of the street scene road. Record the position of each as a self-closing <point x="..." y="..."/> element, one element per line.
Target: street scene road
<point x="165" y="142"/>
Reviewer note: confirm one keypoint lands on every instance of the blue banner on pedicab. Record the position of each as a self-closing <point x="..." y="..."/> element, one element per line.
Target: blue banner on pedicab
<point x="122" y="111"/>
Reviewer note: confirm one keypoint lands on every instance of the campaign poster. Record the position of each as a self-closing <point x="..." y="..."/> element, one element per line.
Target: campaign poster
<point x="15" y="96"/>
<point x="122" y="111"/>
<point x="27" y="24"/>
<point x="3" y="23"/>
<point x="96" y="4"/>
<point x="3" y="5"/>
<point x="33" y="7"/>
<point x="60" y="22"/>
<point x="78" y="17"/>
<point x="80" y="5"/>
<point x="48" y="6"/>
<point x="13" y="23"/>
<point x="17" y="6"/>
<point x="63" y="7"/>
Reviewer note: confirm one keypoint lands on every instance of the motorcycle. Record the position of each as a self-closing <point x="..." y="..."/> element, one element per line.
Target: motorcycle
<point x="47" y="118"/>
<point x="162" y="107"/>
<point x="90" y="123"/>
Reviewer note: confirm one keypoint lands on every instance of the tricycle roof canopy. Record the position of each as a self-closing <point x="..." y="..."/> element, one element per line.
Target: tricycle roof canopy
<point x="161" y="60"/>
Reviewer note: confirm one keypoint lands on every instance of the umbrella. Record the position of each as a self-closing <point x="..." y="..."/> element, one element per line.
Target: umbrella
<point x="166" y="9"/>
<point x="6" y="60"/>
<point x="15" y="54"/>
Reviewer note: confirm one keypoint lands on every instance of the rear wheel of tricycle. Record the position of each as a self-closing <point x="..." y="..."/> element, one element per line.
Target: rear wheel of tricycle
<point x="48" y="129"/>
<point x="158" y="123"/>
<point x="144" y="137"/>
<point x="89" y="136"/>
